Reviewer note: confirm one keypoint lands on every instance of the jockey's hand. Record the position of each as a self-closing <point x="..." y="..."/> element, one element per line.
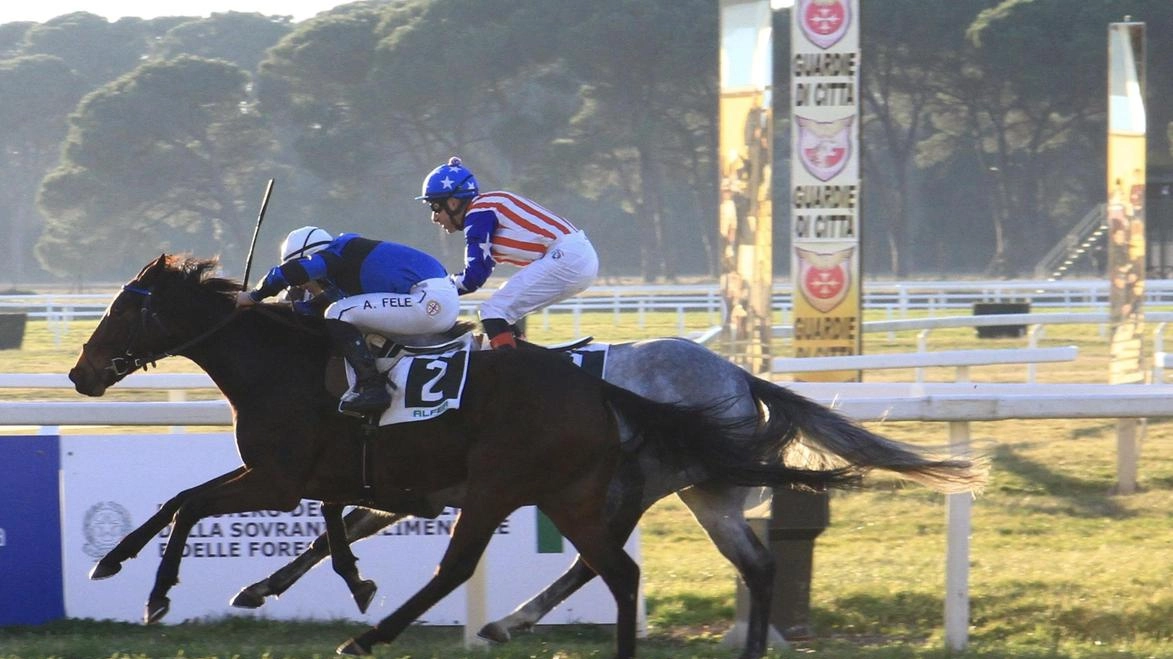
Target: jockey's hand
<point x="243" y="299"/>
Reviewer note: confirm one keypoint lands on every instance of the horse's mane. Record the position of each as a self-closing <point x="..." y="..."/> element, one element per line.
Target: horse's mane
<point x="191" y="270"/>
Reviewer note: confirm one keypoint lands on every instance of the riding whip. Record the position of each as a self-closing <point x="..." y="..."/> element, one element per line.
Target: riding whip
<point x="248" y="262"/>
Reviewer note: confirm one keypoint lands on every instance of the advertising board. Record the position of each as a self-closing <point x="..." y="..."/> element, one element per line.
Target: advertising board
<point x="30" y="531"/>
<point x="111" y="484"/>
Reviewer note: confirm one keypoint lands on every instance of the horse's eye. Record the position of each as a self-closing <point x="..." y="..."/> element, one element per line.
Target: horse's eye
<point x="121" y="306"/>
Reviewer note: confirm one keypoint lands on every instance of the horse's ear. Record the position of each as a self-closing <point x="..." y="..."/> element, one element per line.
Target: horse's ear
<point x="160" y="262"/>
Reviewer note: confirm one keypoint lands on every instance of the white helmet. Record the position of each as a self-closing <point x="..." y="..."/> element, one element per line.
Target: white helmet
<point x="303" y="242"/>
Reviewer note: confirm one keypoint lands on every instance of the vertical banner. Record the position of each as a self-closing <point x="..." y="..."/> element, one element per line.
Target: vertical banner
<point x="1126" y="195"/>
<point x="30" y="531"/>
<point x="746" y="153"/>
<point x="825" y="180"/>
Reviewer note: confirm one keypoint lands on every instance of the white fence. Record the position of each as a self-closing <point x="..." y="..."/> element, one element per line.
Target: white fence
<point x="959" y="359"/>
<point x="953" y="322"/>
<point x="1035" y="323"/>
<point x="897" y="299"/>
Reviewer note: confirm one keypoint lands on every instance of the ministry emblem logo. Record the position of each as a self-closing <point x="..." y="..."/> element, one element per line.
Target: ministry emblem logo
<point x="104" y="525"/>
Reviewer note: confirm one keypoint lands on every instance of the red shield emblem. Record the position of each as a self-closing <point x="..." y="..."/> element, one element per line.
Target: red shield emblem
<point x="824" y="279"/>
<point x="824" y="22"/>
<point x="824" y="146"/>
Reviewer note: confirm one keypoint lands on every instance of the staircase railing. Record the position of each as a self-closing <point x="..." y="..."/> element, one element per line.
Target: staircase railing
<point x="1083" y="236"/>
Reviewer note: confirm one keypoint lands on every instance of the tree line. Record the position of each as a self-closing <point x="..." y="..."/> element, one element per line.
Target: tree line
<point x="983" y="135"/>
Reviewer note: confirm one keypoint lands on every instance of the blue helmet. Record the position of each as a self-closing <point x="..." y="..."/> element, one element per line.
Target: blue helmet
<point x="452" y="179"/>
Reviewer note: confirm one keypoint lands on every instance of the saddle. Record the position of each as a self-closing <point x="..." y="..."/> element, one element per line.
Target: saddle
<point x="460" y="336"/>
<point x="388" y="349"/>
<point x="568" y="346"/>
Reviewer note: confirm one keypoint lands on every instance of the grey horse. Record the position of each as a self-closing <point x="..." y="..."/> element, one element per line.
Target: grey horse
<point x="682" y="371"/>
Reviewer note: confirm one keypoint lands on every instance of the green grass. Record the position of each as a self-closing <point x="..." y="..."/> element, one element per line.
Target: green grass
<point x="1059" y="568"/>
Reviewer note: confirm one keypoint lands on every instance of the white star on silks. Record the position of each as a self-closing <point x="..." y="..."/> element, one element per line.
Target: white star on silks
<point x="447" y="183"/>
<point x="485" y="247"/>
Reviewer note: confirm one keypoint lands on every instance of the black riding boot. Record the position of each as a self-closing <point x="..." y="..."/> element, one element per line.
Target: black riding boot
<point x="499" y="332"/>
<point x="369" y="395"/>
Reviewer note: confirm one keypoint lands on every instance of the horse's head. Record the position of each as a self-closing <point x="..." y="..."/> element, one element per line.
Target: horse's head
<point x="154" y="315"/>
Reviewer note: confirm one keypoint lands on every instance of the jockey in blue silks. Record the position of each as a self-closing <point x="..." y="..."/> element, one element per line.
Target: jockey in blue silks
<point x="371" y="286"/>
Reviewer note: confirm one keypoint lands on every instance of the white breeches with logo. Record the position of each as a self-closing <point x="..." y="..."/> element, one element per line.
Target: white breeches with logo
<point x="432" y="306"/>
<point x="568" y="268"/>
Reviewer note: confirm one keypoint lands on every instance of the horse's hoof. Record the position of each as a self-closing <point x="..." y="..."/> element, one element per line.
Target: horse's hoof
<point x="495" y="632"/>
<point x="353" y="648"/>
<point x="364" y="594"/>
<point x="247" y="598"/>
<point x="103" y="569"/>
<point x="156" y="609"/>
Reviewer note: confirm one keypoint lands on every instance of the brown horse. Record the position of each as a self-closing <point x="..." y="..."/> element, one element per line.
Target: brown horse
<point x="531" y="429"/>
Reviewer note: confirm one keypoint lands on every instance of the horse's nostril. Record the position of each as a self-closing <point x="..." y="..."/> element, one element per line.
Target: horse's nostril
<point x="84" y="382"/>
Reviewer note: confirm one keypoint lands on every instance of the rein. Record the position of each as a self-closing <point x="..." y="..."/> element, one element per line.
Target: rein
<point x="127" y="363"/>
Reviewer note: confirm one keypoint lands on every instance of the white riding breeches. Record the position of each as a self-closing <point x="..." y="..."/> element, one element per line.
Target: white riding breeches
<point x="432" y="306"/>
<point x="568" y="268"/>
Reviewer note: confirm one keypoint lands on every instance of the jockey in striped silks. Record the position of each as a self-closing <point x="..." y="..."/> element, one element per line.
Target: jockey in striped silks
<point x="556" y="259"/>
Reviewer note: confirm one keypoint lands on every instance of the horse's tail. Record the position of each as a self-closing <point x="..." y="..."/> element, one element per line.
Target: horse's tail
<point x="826" y="437"/>
<point x="705" y="442"/>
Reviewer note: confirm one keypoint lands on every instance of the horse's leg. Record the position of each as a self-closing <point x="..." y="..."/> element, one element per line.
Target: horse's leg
<point x="132" y="544"/>
<point x="360" y="523"/>
<point x="471" y="534"/>
<point x="527" y="615"/>
<point x="342" y="558"/>
<point x="719" y="509"/>
<point x="627" y="489"/>
<point x="603" y="552"/>
<point x="250" y="490"/>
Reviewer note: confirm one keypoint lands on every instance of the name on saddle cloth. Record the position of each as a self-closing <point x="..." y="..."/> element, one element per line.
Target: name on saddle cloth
<point x="426" y="386"/>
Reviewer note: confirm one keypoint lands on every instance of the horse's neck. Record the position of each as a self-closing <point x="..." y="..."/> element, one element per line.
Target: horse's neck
<point x="257" y="353"/>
